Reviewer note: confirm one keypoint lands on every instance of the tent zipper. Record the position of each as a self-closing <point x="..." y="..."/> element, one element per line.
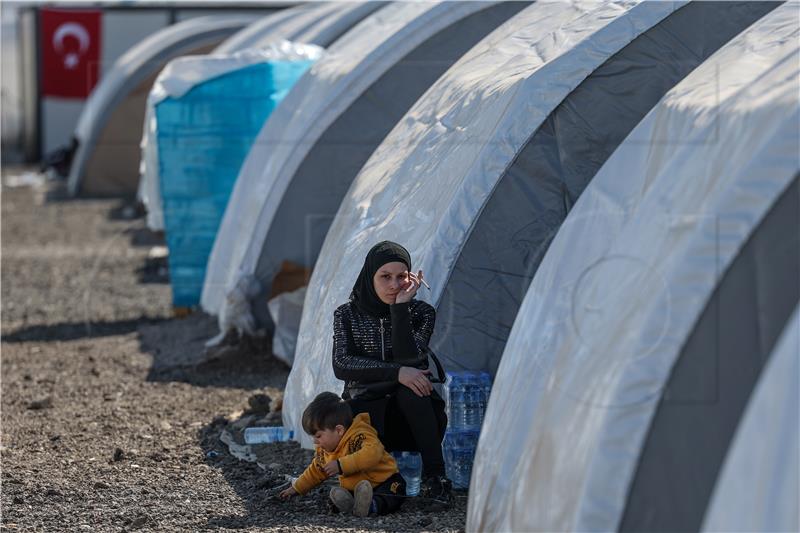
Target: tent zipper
<point x="383" y="354"/>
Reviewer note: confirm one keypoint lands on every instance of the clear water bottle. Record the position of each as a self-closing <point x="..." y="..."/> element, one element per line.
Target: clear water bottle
<point x="267" y="434"/>
<point x="454" y="398"/>
<point x="459" y="452"/>
<point x="410" y="466"/>
<point x="466" y="394"/>
<point x="474" y="402"/>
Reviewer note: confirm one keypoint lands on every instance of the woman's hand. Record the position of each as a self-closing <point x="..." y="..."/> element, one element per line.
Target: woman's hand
<point x="409" y="288"/>
<point x="416" y="380"/>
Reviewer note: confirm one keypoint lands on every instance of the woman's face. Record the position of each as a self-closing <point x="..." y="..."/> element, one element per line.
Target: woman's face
<point x="389" y="280"/>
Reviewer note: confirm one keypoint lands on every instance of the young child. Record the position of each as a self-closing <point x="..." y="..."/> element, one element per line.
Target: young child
<point x="370" y="483"/>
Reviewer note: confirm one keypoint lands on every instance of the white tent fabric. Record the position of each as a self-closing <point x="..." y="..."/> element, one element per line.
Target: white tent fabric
<point x="346" y="16"/>
<point x="426" y="183"/>
<point x="133" y="67"/>
<point x="759" y="486"/>
<point x="282" y="23"/>
<point x="177" y="78"/>
<point x="352" y="64"/>
<point x="624" y="281"/>
<point x="318" y="24"/>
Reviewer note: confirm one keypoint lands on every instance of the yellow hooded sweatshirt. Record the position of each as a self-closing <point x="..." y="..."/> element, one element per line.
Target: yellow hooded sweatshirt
<point x="360" y="454"/>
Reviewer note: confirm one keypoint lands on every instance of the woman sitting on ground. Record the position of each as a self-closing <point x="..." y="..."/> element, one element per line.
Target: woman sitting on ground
<point x="375" y="333"/>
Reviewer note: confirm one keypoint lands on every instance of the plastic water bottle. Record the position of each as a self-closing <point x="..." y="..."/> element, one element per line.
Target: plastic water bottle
<point x="410" y="466"/>
<point x="474" y="402"/>
<point x="459" y="453"/>
<point x="267" y="434"/>
<point x="454" y="397"/>
<point x="486" y="384"/>
<point x="466" y="395"/>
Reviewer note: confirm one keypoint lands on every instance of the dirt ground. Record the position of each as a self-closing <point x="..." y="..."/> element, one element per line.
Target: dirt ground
<point x="111" y="416"/>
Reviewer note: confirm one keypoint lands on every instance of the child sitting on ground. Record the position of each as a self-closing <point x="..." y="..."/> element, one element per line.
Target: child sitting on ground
<point x="350" y="448"/>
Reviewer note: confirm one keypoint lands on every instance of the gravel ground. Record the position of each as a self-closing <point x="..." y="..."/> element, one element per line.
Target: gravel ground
<point x="111" y="410"/>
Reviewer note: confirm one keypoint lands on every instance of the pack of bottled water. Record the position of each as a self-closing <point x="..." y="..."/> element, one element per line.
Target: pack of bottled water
<point x="459" y="453"/>
<point x="466" y="397"/>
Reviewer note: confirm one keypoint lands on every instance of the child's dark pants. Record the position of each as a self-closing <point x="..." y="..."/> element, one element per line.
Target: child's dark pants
<point x="389" y="495"/>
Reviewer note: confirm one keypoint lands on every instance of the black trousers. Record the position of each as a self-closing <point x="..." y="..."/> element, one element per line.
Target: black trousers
<point x="405" y="421"/>
<point x="390" y="495"/>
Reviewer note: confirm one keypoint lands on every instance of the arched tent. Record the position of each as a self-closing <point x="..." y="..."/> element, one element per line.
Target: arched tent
<point x="224" y="128"/>
<point x="662" y="295"/>
<point x="106" y="160"/>
<point x="534" y="194"/>
<point x="263" y="31"/>
<point x="759" y="486"/>
<point x="320" y="25"/>
<point x="314" y="144"/>
<point x="465" y="132"/>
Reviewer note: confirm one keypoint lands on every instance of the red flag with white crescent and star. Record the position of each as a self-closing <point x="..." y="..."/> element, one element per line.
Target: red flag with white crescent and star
<point x="70" y="45"/>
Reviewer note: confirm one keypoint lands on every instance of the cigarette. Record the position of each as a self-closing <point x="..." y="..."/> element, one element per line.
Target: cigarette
<point x="425" y="283"/>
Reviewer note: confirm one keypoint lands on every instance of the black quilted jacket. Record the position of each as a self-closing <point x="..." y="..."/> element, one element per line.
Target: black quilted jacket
<point x="366" y="349"/>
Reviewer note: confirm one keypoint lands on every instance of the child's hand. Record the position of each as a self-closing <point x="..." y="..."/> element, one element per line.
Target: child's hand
<point x="288" y="493"/>
<point x="332" y="468"/>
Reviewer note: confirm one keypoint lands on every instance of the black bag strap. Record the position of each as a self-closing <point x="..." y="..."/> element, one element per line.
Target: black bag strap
<point x="439" y="368"/>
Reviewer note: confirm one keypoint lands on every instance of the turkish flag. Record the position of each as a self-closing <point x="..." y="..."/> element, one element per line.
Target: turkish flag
<point x="70" y="45"/>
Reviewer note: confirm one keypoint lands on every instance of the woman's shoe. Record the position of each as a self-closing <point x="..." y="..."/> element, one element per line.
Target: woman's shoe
<point x="362" y="498"/>
<point x="342" y="499"/>
<point x="438" y="490"/>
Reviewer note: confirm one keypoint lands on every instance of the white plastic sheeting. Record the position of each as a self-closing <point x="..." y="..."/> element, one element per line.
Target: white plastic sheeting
<point x="758" y="488"/>
<point x="424" y="186"/>
<point x="624" y="281"/>
<point x="352" y="64"/>
<point x="132" y="68"/>
<point x="286" y="311"/>
<point x="177" y="78"/>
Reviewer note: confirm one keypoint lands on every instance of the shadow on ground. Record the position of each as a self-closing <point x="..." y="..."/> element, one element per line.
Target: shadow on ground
<point x="153" y="270"/>
<point x="71" y="331"/>
<point x="179" y="354"/>
<point x="144" y="237"/>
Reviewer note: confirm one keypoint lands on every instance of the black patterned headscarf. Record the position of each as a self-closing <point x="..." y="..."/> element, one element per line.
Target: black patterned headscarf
<point x="364" y="295"/>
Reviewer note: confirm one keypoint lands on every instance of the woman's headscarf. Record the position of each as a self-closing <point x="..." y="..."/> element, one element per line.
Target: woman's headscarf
<point x="364" y="295"/>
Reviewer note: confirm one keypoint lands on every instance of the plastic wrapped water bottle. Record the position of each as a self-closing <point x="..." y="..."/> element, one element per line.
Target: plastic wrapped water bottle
<point x="459" y="453"/>
<point x="466" y="395"/>
<point x="410" y="466"/>
<point x="454" y="398"/>
<point x="474" y="402"/>
<point x="267" y="434"/>
<point x="486" y="384"/>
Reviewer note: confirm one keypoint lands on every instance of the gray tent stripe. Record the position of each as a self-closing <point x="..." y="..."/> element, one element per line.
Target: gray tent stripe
<point x="715" y="374"/>
<point x="532" y="199"/>
<point x="323" y="178"/>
